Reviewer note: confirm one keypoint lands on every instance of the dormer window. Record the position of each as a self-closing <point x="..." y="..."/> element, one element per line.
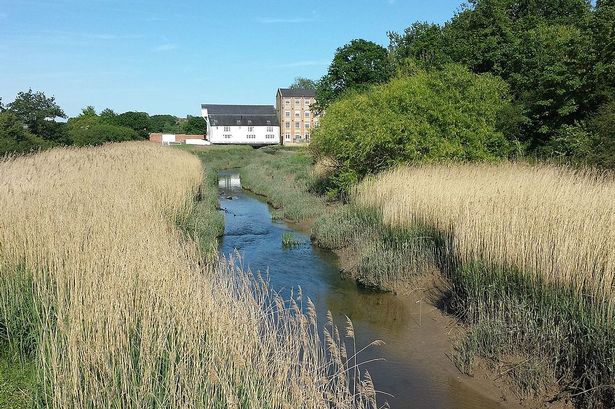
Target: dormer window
<point x="238" y="122"/>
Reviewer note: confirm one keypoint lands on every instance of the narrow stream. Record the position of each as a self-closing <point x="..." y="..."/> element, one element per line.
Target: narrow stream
<point x="416" y="370"/>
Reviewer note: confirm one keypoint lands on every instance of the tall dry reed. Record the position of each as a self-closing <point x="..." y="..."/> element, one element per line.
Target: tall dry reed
<point x="556" y="224"/>
<point x="115" y="303"/>
<point x="530" y="251"/>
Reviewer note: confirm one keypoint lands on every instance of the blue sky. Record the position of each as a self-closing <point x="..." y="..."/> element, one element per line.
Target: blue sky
<point x="169" y="57"/>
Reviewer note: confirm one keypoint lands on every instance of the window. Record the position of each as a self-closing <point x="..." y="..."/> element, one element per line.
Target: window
<point x="268" y="123"/>
<point x="227" y="129"/>
<point x="307" y="136"/>
<point x="297" y="125"/>
<point x="297" y="101"/>
<point x="249" y="122"/>
<point x="227" y="136"/>
<point x="297" y="114"/>
<point x="270" y="129"/>
<point x="238" y="122"/>
<point x="287" y="102"/>
<point x="269" y="136"/>
<point x="287" y="125"/>
<point x="251" y="136"/>
<point x="307" y="114"/>
<point x="307" y="125"/>
<point x="287" y="114"/>
<point x="250" y="129"/>
<point x="287" y="137"/>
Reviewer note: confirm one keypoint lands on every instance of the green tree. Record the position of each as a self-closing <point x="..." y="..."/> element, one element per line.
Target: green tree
<point x="39" y="112"/>
<point x="195" y="125"/>
<point x="422" y="42"/>
<point x="89" y="129"/>
<point x="108" y="116"/>
<point x="137" y="121"/>
<point x="548" y="76"/>
<point x="355" y="66"/>
<point x="164" y="123"/>
<point x="14" y="138"/>
<point x="303" y="83"/>
<point x="448" y="114"/>
<point x="603" y="47"/>
<point x="602" y="125"/>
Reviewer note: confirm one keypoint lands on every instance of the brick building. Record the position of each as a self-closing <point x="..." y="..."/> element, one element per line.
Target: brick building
<point x="293" y="107"/>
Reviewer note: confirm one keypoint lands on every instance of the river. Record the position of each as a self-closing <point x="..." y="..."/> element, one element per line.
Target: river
<point x="416" y="369"/>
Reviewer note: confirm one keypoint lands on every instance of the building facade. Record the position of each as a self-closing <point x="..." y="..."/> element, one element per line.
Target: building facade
<point x="295" y="115"/>
<point x="241" y="124"/>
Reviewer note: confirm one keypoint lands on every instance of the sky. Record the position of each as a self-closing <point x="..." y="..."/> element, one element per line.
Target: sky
<point x="168" y="57"/>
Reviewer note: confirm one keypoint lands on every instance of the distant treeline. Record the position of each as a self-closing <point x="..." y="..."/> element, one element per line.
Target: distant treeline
<point x="30" y="123"/>
<point x="546" y="69"/>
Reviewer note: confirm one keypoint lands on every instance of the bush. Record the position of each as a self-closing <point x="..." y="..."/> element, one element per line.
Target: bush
<point x="603" y="141"/>
<point x="14" y="138"/>
<point x="450" y="114"/>
<point x="99" y="133"/>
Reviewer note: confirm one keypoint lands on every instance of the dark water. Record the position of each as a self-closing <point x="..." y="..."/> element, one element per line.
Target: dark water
<point x="415" y="371"/>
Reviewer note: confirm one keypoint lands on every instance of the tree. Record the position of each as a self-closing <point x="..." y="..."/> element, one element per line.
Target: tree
<point x="14" y="138"/>
<point x="422" y="42"/>
<point x="108" y="116"/>
<point x="355" y="66"/>
<point x="603" y="47"/>
<point x="602" y="126"/>
<point x="195" y="125"/>
<point x="89" y="129"/>
<point x="38" y="112"/>
<point x="547" y="74"/>
<point x="164" y="123"/>
<point x="448" y="114"/>
<point x="137" y="121"/>
<point x="303" y="83"/>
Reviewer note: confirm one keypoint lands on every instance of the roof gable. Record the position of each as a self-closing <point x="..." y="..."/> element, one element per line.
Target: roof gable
<point x="297" y="92"/>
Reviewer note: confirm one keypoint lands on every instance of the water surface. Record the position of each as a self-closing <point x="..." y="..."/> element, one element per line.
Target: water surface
<point x="415" y="371"/>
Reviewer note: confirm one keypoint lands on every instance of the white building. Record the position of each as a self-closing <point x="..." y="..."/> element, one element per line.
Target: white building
<point x="241" y="124"/>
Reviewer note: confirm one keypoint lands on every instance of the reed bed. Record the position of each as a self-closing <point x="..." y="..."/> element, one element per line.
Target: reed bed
<point x="530" y="251"/>
<point x="118" y="307"/>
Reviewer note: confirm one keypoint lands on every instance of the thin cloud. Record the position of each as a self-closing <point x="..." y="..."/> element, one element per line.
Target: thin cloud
<point x="308" y="63"/>
<point x="165" y="47"/>
<point x="298" y="20"/>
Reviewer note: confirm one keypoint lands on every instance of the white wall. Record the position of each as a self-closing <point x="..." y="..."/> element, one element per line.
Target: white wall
<point x="259" y="135"/>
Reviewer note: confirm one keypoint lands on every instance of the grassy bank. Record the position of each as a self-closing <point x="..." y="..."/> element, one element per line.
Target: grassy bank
<point x="529" y="252"/>
<point x="283" y="176"/>
<point x="113" y="303"/>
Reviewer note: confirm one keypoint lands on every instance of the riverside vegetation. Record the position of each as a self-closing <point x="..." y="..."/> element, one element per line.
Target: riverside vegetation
<point x="526" y="251"/>
<point x="106" y="299"/>
<point x="529" y="255"/>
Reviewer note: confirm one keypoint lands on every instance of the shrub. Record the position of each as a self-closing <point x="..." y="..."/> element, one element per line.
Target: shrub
<point x="450" y="114"/>
<point x="603" y="142"/>
<point x="99" y="133"/>
<point x="14" y="138"/>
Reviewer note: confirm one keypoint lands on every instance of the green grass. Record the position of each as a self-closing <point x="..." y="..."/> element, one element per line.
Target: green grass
<point x="383" y="257"/>
<point x="17" y="380"/>
<point x="283" y="176"/>
<point x="205" y="223"/>
<point x="289" y="240"/>
<point x="535" y="334"/>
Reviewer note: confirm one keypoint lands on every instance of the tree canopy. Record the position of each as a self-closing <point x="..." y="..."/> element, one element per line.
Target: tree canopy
<point x="303" y="83"/>
<point x="448" y="114"/>
<point x="355" y="66"/>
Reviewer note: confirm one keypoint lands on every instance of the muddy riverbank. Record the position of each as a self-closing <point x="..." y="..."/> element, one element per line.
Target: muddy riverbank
<point x="417" y="371"/>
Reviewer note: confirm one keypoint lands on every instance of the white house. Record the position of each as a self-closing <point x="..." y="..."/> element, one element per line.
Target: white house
<point x="241" y="124"/>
